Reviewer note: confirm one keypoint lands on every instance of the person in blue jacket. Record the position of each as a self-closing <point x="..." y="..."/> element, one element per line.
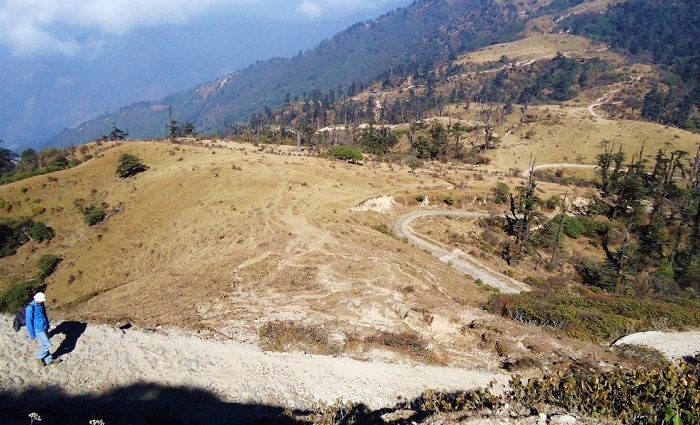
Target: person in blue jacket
<point x="38" y="327"/>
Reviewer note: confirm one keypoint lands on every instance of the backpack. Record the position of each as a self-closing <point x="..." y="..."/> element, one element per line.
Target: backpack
<point x="20" y="318"/>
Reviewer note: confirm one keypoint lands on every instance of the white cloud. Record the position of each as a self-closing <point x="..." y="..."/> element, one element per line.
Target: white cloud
<point x="31" y="27"/>
<point x="317" y="8"/>
<point x="310" y="9"/>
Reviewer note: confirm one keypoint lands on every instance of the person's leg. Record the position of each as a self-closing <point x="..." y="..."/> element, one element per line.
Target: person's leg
<point x="43" y="353"/>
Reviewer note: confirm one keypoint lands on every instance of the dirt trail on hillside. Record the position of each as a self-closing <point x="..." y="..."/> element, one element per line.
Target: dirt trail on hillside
<point x="673" y="345"/>
<point x="600" y="101"/>
<point x="100" y="358"/>
<point x="455" y="257"/>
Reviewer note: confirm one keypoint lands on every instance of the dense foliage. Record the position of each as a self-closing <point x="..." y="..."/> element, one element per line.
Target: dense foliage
<point x="31" y="163"/>
<point x="652" y="396"/>
<point x="596" y="316"/>
<point x="20" y="293"/>
<point x="14" y="232"/>
<point x="663" y="32"/>
<point x="345" y="153"/>
<point x="130" y="165"/>
<point x="658" y="395"/>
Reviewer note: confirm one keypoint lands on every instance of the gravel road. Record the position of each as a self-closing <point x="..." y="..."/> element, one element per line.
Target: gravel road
<point x="455" y="257"/>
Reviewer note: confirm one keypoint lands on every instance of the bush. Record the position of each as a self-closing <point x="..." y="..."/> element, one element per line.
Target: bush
<point x="669" y="395"/>
<point x="553" y="202"/>
<point x="41" y="232"/>
<point x="93" y="213"/>
<point x="18" y="295"/>
<point x="38" y="209"/>
<point x="501" y="193"/>
<point x="410" y="342"/>
<point x="345" y="153"/>
<point x="575" y="227"/>
<point x="48" y="264"/>
<point x="14" y="232"/>
<point x="595" y="317"/>
<point x="129" y="165"/>
<point x="279" y="335"/>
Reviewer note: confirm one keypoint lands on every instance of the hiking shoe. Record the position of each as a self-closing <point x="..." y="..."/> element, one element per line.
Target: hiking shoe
<point x="53" y="361"/>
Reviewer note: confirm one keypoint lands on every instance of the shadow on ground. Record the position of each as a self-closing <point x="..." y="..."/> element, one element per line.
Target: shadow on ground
<point x="151" y="404"/>
<point x="72" y="330"/>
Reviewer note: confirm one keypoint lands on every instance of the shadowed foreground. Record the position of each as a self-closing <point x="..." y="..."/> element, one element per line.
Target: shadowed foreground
<point x="153" y="404"/>
<point x="135" y="404"/>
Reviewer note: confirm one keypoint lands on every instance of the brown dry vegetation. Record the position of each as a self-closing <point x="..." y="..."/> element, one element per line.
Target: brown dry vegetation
<point x="231" y="237"/>
<point x="266" y="244"/>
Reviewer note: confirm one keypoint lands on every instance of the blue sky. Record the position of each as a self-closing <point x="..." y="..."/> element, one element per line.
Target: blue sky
<point x="77" y="27"/>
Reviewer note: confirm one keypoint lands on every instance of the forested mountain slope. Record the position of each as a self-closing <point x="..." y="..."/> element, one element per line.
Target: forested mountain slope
<point x="666" y="33"/>
<point x="430" y="34"/>
<point x="406" y="41"/>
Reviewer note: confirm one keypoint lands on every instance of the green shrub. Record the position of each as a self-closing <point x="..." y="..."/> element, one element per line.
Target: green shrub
<point x="449" y="200"/>
<point x="383" y="228"/>
<point x="14" y="232"/>
<point x="38" y="209"/>
<point x="533" y="281"/>
<point x="572" y="227"/>
<point x="501" y="193"/>
<point x="18" y="295"/>
<point x="345" y="153"/>
<point x="48" y="264"/>
<point x="552" y="202"/>
<point x="41" y="232"/>
<point x="667" y="394"/>
<point x="93" y="213"/>
<point x="670" y="395"/>
<point x="595" y="316"/>
<point x="575" y="227"/>
<point x="129" y="165"/>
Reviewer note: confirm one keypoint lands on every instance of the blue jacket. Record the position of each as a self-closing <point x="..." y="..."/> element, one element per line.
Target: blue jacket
<point x="37" y="320"/>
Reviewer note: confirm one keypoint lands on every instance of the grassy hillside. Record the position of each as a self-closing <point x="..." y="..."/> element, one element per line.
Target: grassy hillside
<point x="228" y="236"/>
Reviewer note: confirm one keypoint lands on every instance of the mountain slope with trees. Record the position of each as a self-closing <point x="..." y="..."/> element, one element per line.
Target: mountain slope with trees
<point x="666" y="33"/>
<point x="406" y="41"/>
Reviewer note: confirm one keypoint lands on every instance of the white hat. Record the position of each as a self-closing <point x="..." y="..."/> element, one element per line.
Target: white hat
<point x="39" y="297"/>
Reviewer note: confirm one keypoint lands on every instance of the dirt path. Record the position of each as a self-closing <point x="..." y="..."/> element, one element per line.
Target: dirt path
<point x="455" y="257"/>
<point x="673" y="345"/>
<point x="100" y="359"/>
<point x="526" y="173"/>
<point x="600" y="101"/>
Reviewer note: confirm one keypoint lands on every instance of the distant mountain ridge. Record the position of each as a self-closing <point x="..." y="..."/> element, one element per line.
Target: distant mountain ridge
<point x="44" y="94"/>
<point x="407" y="39"/>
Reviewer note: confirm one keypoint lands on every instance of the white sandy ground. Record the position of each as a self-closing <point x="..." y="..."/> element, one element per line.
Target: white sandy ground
<point x="105" y="357"/>
<point x="673" y="345"/>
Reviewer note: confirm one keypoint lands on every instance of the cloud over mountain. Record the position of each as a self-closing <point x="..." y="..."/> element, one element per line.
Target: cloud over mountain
<point x="34" y="27"/>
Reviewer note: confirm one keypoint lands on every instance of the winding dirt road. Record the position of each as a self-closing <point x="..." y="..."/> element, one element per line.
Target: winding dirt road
<point x="674" y="345"/>
<point x="600" y="101"/>
<point x="456" y="257"/>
